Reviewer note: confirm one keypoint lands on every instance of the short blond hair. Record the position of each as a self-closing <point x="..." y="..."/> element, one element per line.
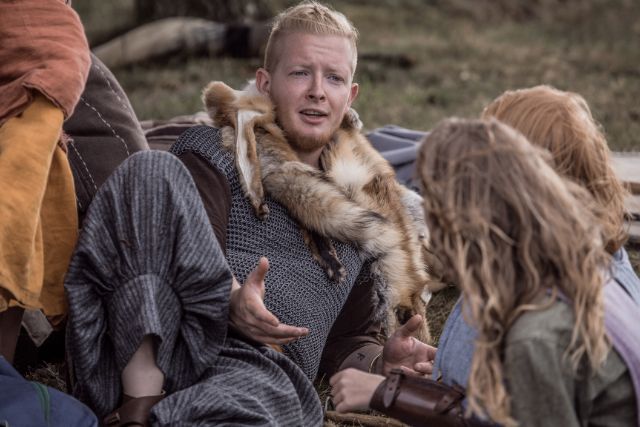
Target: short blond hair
<point x="310" y="17"/>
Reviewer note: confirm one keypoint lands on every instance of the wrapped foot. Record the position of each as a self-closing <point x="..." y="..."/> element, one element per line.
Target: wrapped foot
<point x="134" y="411"/>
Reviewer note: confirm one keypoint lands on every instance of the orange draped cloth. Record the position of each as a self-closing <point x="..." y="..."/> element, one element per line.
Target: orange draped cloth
<point x="43" y="50"/>
<point x="38" y="218"/>
<point x="45" y="63"/>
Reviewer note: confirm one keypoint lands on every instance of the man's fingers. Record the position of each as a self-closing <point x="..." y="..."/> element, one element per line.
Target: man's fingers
<point x="264" y="316"/>
<point x="281" y="332"/>
<point x="257" y="275"/>
<point x="285" y="331"/>
<point x="409" y="371"/>
<point x="270" y="340"/>
<point x="261" y="324"/>
<point x="334" y="379"/>
<point x="425" y="368"/>
<point x="269" y="324"/>
<point x="340" y="390"/>
<point x="411" y="327"/>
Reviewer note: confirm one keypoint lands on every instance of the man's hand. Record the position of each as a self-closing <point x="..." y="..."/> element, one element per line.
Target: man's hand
<point x="250" y="317"/>
<point x="352" y="389"/>
<point x="404" y="351"/>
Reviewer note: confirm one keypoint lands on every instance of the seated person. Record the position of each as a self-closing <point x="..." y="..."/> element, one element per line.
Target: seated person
<point x="160" y="331"/>
<point x="45" y="62"/>
<point x="560" y="122"/>
<point x="526" y="249"/>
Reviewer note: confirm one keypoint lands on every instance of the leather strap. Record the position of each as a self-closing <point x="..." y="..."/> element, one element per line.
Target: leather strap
<point x="391" y="389"/>
<point x="420" y="401"/>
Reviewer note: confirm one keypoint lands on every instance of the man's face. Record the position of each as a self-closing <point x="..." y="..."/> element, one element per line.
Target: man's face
<point x="310" y="86"/>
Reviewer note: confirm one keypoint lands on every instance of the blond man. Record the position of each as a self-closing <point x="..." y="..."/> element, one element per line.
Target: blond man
<point x="161" y="331"/>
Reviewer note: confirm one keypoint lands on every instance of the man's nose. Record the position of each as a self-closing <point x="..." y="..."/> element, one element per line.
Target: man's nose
<point x="316" y="90"/>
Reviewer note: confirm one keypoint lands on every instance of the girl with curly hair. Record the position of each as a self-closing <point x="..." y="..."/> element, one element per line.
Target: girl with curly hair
<point x="525" y="247"/>
<point x="561" y="122"/>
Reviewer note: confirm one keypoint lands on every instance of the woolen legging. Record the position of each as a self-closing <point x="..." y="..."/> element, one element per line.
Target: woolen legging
<point x="148" y="262"/>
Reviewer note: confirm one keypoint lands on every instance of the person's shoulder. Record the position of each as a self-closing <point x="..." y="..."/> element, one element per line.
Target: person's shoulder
<point x="624" y="275"/>
<point x="552" y="322"/>
<point x="206" y="142"/>
<point x="196" y="135"/>
<point x="203" y="140"/>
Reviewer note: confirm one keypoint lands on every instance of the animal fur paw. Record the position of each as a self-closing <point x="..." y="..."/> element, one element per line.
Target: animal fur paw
<point x="336" y="273"/>
<point x="262" y="211"/>
<point x="351" y="120"/>
<point x="403" y="314"/>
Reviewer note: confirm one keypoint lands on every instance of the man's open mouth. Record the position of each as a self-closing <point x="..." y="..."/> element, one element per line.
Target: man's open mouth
<point x="313" y="113"/>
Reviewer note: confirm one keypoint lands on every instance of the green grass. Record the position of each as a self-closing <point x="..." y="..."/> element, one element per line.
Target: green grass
<point x="465" y="53"/>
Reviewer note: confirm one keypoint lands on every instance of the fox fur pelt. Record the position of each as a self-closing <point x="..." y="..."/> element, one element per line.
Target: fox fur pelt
<point x="353" y="198"/>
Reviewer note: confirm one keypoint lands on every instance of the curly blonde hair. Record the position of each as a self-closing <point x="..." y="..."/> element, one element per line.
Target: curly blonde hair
<point x="562" y="123"/>
<point x="510" y="230"/>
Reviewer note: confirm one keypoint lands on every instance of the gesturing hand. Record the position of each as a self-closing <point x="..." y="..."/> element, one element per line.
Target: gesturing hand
<point x="249" y="316"/>
<point x="404" y="351"/>
<point x="352" y="390"/>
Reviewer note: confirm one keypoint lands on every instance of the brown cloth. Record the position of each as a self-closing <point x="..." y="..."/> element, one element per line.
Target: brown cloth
<point x="103" y="131"/>
<point x="43" y="49"/>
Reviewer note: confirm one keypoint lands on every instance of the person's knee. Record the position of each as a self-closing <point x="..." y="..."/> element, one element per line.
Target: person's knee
<point x="154" y="165"/>
<point x="151" y="173"/>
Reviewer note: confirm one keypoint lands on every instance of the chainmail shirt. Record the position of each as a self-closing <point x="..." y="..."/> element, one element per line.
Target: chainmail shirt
<point x="298" y="291"/>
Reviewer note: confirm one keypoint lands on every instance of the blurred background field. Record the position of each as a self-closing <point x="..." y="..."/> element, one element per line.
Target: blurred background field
<point x="423" y="60"/>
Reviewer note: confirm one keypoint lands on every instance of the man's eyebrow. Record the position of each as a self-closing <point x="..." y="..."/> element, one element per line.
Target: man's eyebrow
<point x="333" y="70"/>
<point x="298" y="65"/>
<point x="307" y="65"/>
<point x="337" y="70"/>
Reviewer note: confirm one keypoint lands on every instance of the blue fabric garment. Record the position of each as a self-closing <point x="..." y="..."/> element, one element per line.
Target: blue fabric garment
<point x="25" y="403"/>
<point x="399" y="146"/>
<point x="453" y="359"/>
<point x="455" y="350"/>
<point x="623" y="273"/>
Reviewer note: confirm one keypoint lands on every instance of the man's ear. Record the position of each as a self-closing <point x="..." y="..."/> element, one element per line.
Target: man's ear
<point x="263" y="81"/>
<point x="353" y="94"/>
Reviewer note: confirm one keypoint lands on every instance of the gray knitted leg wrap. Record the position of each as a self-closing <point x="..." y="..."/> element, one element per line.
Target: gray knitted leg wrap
<point x="147" y="262"/>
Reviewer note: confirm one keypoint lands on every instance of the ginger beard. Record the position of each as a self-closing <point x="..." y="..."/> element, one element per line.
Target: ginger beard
<point x="303" y="142"/>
